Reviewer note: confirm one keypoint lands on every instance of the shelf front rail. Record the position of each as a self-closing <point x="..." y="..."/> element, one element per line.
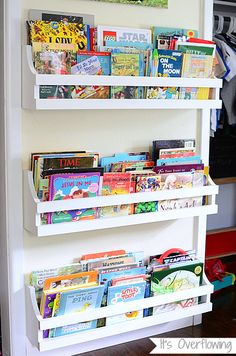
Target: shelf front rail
<point x="36" y="324"/>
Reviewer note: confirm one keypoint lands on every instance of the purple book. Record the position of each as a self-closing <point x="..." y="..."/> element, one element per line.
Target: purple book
<point x="47" y="312"/>
<point x="73" y="186"/>
<point x="178" y="168"/>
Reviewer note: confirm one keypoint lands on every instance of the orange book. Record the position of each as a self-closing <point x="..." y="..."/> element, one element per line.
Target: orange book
<point x="70" y="280"/>
<point x="92" y="256"/>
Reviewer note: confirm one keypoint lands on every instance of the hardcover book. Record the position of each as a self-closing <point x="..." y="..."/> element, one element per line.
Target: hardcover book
<point x="123" y="294"/>
<point x="197" y="66"/>
<point x="58" y="32"/>
<point x="169" y="63"/>
<point x="76" y="301"/>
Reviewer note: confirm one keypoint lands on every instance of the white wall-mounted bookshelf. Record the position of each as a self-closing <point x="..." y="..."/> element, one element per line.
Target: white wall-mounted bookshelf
<point x="34" y="208"/>
<point x="32" y="81"/>
<point x="36" y="324"/>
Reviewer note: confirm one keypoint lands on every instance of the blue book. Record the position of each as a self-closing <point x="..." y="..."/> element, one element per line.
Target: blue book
<point x="169" y="63"/>
<point x="179" y="160"/>
<point x="89" y="62"/>
<point x="76" y="301"/>
<point x="123" y="294"/>
<point x="138" y="45"/>
<point x="121" y="157"/>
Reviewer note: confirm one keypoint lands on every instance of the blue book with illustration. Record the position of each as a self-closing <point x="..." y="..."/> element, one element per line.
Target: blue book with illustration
<point x="123" y="294"/>
<point x="122" y="157"/>
<point x="179" y="160"/>
<point x="92" y="63"/>
<point x="76" y="301"/>
<point x="169" y="63"/>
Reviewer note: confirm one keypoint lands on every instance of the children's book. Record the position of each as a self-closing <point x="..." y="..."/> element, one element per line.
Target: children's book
<point x="176" y="152"/>
<point x="176" y="181"/>
<point x="123" y="294"/>
<point x="52" y="62"/>
<point x="139" y="173"/>
<point x="180" y="160"/>
<point x="62" y="281"/>
<point x="89" y="92"/>
<point x="77" y="301"/>
<point x="122" y="157"/>
<point x="116" y="183"/>
<point x="90" y="256"/>
<point x="146" y="207"/>
<point x="183" y="203"/>
<point x="180" y="143"/>
<point x="169" y="63"/>
<point x="194" y="93"/>
<point x="148" y="183"/>
<point x="57" y="32"/>
<point x="127" y="34"/>
<point x="170" y="33"/>
<point x="197" y="66"/>
<point x="131" y="166"/>
<point x="179" y="168"/>
<point x="38" y="277"/>
<point x="47" y="308"/>
<point x="93" y="63"/>
<point x="128" y="280"/>
<point x="35" y="14"/>
<point x="196" y="48"/>
<point x="162" y="93"/>
<point x="176" y="279"/>
<point x="54" y="92"/>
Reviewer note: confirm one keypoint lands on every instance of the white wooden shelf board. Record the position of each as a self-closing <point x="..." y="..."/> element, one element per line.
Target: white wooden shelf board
<point x="34" y="208"/>
<point x="48" y="344"/>
<point x="32" y="81"/>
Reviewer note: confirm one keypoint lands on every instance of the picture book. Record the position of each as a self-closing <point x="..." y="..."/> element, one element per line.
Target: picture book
<point x="194" y="93"/>
<point x="146" y="207"/>
<point x="115" y="211"/>
<point x="196" y="48"/>
<point x="38" y="277"/>
<point x="83" y="160"/>
<point x="131" y="166"/>
<point x="123" y="294"/>
<point x="176" y="181"/>
<point x="122" y="34"/>
<point x="106" y="278"/>
<point x="183" y="203"/>
<point x="89" y="92"/>
<point x="162" y="93"/>
<point x="52" y="62"/>
<point x="197" y="66"/>
<point x="88" y="62"/>
<point x="126" y="64"/>
<point x="35" y="14"/>
<point x="180" y="143"/>
<point x="57" y="32"/>
<point x="71" y="215"/>
<point x="169" y="33"/>
<point x="180" y="160"/>
<point x="122" y="157"/>
<point x="176" y="279"/>
<point x="76" y="301"/>
<point x="169" y="63"/>
<point x="48" y="308"/>
<point x="62" y="281"/>
<point x="90" y="256"/>
<point x="116" y="183"/>
<point x="121" y="92"/>
<point x="148" y="183"/>
<point x="179" y="168"/>
<point x="138" y="173"/>
<point x="54" y="92"/>
<point x="128" y="280"/>
<point x="176" y="152"/>
<point x="73" y="186"/>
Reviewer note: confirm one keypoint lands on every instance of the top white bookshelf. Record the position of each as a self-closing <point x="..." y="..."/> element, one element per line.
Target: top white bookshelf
<point x="32" y="81"/>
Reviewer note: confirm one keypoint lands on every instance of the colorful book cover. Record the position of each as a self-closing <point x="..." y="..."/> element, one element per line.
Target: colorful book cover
<point x="62" y="281"/>
<point x="176" y="279"/>
<point x="162" y="93"/>
<point x="69" y="48"/>
<point x="170" y="33"/>
<point x="148" y="183"/>
<point x="54" y="92"/>
<point x="58" y="32"/>
<point x="116" y="183"/>
<point x="52" y="62"/>
<point x="176" y="152"/>
<point x="160" y="144"/>
<point x="131" y="166"/>
<point x="194" y="93"/>
<point x="196" y="48"/>
<point x="107" y="277"/>
<point x="77" y="301"/>
<point x="73" y="186"/>
<point x="79" y="161"/>
<point x="146" y="207"/>
<point x="122" y="157"/>
<point x="179" y="160"/>
<point x="128" y="280"/>
<point x="93" y="63"/>
<point x="179" y="168"/>
<point x="197" y="66"/>
<point x="128" y="64"/>
<point x="47" y="310"/>
<point x="169" y="63"/>
<point x="138" y="173"/>
<point x="122" y="294"/>
<point x="176" y="180"/>
<point x="127" y="34"/>
<point x="89" y="92"/>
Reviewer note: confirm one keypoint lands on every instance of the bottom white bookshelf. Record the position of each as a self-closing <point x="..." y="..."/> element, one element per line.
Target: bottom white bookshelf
<point x="36" y="324"/>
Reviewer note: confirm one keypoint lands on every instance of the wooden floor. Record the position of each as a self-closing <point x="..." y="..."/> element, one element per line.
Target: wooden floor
<point x="221" y="322"/>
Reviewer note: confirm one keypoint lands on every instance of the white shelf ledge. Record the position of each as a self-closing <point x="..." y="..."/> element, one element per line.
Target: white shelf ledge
<point x="33" y="208"/>
<point x="36" y="324"/>
<point x="32" y="81"/>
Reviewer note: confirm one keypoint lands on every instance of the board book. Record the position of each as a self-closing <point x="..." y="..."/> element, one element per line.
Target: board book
<point x="122" y="294"/>
<point x="77" y="301"/>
